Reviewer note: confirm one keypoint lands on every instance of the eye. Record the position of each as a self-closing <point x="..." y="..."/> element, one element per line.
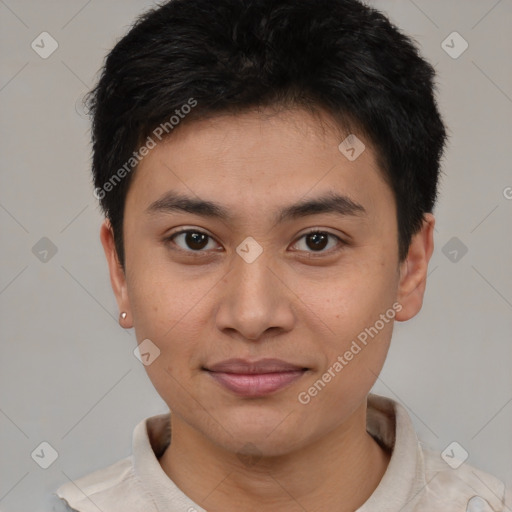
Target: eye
<point x="196" y="241"/>
<point x="192" y="240"/>
<point x="318" y="240"/>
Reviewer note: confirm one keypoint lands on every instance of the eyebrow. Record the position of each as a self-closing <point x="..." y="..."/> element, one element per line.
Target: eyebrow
<point x="330" y="202"/>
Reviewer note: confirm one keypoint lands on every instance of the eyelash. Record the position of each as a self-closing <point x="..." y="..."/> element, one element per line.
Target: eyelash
<point x="311" y="254"/>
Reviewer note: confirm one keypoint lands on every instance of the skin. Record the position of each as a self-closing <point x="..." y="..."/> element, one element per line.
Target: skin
<point x="273" y="452"/>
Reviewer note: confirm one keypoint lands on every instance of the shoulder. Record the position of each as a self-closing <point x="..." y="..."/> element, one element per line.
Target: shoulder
<point x="461" y="486"/>
<point x="114" y="488"/>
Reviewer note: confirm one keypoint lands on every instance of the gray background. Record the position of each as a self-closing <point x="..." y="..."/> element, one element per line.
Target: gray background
<point x="67" y="371"/>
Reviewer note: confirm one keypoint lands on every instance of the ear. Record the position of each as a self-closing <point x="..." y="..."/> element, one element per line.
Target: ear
<point x="413" y="271"/>
<point x="117" y="275"/>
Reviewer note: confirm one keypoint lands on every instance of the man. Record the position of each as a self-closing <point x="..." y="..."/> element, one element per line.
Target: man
<point x="268" y="171"/>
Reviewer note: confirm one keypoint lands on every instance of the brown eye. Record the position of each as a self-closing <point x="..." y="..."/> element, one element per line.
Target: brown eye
<point x="317" y="241"/>
<point x="191" y="240"/>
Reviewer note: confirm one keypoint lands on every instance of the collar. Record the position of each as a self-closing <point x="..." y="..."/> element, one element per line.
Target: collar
<point x="404" y="480"/>
<point x="387" y="421"/>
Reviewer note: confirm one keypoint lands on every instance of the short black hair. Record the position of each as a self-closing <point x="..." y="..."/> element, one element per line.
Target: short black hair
<point x="191" y="59"/>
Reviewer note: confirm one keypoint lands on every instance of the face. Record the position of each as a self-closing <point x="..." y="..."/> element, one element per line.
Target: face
<point x="296" y="260"/>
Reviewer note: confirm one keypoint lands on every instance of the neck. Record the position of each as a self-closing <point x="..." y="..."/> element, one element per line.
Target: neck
<point x="338" y="472"/>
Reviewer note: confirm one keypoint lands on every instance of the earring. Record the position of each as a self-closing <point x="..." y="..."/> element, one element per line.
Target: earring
<point x="123" y="315"/>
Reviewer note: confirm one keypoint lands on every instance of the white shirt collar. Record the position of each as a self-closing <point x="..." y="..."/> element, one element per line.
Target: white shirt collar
<point x="387" y="421"/>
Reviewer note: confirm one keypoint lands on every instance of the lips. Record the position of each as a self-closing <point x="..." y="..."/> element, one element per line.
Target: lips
<point x="260" y="366"/>
<point x="255" y="378"/>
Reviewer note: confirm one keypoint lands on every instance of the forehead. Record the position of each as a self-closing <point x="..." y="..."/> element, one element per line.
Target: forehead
<point x="255" y="160"/>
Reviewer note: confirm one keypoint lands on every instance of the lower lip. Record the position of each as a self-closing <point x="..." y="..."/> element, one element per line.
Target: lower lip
<point x="254" y="385"/>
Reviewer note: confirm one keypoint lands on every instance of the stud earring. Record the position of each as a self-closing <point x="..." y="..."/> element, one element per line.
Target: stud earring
<point x="123" y="315"/>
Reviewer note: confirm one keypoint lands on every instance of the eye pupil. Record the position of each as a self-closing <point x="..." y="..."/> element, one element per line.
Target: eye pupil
<point x="319" y="240"/>
<point x="196" y="240"/>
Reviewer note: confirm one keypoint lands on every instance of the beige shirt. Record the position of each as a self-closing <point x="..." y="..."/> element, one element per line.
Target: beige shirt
<point x="416" y="480"/>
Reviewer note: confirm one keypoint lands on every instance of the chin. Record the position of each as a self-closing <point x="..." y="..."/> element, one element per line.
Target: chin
<point x="254" y="448"/>
<point x="262" y="438"/>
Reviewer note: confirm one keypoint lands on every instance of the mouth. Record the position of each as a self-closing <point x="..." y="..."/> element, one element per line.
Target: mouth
<point x="257" y="378"/>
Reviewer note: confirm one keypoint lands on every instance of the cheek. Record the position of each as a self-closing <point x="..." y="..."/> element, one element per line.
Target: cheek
<point x="167" y="312"/>
<point x="160" y="315"/>
<point x="159" y="297"/>
<point x="357" y="307"/>
<point x="355" y="294"/>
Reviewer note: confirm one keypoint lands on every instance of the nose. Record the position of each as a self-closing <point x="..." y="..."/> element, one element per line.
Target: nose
<point x="255" y="299"/>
